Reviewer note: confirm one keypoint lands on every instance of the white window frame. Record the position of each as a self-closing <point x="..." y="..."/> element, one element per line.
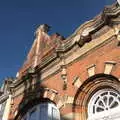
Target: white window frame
<point x="49" y="107"/>
<point x="108" y="113"/>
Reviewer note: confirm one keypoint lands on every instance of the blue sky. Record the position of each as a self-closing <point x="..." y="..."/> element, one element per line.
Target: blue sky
<point x="19" y="19"/>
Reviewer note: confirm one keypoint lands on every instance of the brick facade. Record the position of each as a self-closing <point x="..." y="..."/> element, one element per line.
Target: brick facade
<point x="68" y="72"/>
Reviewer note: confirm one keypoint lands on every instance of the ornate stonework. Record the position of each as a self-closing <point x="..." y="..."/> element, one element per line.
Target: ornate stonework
<point x="70" y="72"/>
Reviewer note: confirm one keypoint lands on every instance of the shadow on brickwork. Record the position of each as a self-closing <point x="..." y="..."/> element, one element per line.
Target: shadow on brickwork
<point x="32" y="95"/>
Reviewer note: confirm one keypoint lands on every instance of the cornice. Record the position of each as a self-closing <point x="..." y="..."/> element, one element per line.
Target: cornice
<point x="81" y="36"/>
<point x="91" y="27"/>
<point x="3" y="97"/>
<point x="112" y="10"/>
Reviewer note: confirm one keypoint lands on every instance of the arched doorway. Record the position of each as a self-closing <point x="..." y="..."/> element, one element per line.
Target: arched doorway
<point x="98" y="98"/>
<point x="42" y="111"/>
<point x="104" y="105"/>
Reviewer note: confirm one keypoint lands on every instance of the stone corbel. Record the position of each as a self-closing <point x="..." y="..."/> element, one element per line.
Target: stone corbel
<point x="64" y="77"/>
<point x="117" y="33"/>
<point x="85" y="35"/>
<point x="64" y="74"/>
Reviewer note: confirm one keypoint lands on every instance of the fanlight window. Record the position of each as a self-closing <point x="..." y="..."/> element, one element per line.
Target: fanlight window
<point x="105" y="101"/>
<point x="43" y="111"/>
<point x="104" y="104"/>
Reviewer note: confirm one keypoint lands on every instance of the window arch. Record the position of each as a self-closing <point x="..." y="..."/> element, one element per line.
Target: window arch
<point x="90" y="90"/>
<point x="42" y="111"/>
<point x="104" y="105"/>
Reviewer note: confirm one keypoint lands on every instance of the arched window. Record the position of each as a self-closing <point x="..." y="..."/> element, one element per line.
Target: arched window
<point x="43" y="111"/>
<point x="104" y="105"/>
<point x="2" y="109"/>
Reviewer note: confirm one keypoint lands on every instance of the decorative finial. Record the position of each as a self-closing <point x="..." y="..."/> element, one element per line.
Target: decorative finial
<point x="43" y="28"/>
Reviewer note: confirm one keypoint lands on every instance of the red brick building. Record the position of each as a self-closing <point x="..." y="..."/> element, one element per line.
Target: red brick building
<point x="76" y="78"/>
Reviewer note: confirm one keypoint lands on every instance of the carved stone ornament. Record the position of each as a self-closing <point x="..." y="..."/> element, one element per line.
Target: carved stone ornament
<point x="43" y="28"/>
